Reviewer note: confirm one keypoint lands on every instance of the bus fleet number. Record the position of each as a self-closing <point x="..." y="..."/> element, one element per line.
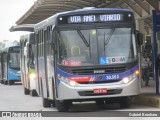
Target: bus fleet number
<point x="112" y="77"/>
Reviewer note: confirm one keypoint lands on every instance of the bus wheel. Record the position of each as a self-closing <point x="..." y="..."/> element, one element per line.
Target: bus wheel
<point x="34" y="93"/>
<point x="26" y="91"/>
<point x="5" y="82"/>
<point x="2" y="82"/>
<point x="63" y="106"/>
<point x="53" y="103"/>
<point x="46" y="102"/>
<point x="125" y="102"/>
<point x="10" y="82"/>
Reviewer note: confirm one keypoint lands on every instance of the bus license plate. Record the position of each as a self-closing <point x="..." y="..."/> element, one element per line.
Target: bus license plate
<point x="100" y="90"/>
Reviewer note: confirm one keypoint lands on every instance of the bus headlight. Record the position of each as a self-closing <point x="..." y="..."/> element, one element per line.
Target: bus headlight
<point x="32" y="76"/>
<point x="72" y="83"/>
<point x="67" y="81"/>
<point x="130" y="78"/>
<point x="125" y="80"/>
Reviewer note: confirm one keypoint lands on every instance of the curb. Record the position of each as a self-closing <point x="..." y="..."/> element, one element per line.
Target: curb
<point x="148" y="100"/>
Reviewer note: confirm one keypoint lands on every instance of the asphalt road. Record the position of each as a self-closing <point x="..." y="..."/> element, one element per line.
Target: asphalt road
<point x="12" y="98"/>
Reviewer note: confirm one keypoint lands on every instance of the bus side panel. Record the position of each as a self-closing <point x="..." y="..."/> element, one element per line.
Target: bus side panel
<point x="42" y="77"/>
<point x="50" y="74"/>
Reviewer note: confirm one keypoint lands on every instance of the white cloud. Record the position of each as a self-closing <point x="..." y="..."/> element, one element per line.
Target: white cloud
<point x="10" y="12"/>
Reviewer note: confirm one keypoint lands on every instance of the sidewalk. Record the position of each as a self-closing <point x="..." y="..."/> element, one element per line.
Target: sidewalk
<point x="148" y="95"/>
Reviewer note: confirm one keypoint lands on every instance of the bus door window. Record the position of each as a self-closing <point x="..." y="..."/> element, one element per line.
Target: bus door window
<point x="31" y="57"/>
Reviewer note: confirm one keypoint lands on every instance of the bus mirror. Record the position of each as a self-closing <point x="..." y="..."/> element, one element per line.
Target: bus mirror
<point x="140" y="38"/>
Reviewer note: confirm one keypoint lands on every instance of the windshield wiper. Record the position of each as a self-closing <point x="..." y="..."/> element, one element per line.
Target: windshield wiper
<point x="110" y="35"/>
<point x="82" y="37"/>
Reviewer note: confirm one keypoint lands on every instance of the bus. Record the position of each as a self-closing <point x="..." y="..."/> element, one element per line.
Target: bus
<point x="27" y="66"/>
<point x="10" y="65"/>
<point x="1" y="67"/>
<point x="87" y="55"/>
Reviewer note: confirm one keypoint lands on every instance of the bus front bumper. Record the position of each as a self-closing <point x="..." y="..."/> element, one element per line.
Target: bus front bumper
<point x="87" y="91"/>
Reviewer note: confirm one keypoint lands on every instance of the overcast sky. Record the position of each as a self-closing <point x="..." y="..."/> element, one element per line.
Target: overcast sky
<point x="10" y="12"/>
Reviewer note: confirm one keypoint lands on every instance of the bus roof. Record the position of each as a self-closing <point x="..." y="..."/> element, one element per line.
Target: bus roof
<point x="27" y="38"/>
<point x="51" y="20"/>
<point x="100" y="9"/>
<point x="7" y="48"/>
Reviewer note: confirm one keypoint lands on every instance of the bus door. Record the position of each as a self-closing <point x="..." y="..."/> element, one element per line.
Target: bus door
<point x="26" y="69"/>
<point x="42" y="64"/>
<point x="23" y="77"/>
<point x="38" y="82"/>
<point x="5" y="66"/>
<point x="0" y="66"/>
<point x="48" y="66"/>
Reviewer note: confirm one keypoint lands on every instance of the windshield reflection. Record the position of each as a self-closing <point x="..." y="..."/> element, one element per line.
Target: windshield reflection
<point x="104" y="46"/>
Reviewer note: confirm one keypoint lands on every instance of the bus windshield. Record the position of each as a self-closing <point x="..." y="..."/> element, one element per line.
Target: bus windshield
<point x="14" y="60"/>
<point x="100" y="46"/>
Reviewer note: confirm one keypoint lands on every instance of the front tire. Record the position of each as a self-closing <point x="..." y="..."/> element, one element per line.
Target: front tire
<point x="2" y="82"/>
<point x="26" y="91"/>
<point x="46" y="103"/>
<point x="5" y="82"/>
<point x="34" y="93"/>
<point x="10" y="82"/>
<point x="63" y="106"/>
<point x="125" y="102"/>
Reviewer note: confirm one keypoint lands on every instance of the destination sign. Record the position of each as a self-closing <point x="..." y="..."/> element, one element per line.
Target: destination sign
<point x="95" y="18"/>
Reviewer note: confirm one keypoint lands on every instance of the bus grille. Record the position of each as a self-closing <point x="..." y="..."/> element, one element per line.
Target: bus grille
<point x="105" y="70"/>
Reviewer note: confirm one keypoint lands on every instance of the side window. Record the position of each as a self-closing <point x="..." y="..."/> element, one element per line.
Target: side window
<point x="42" y="43"/>
<point x="36" y="45"/>
<point x="49" y="30"/>
<point x="39" y="43"/>
<point x="45" y="42"/>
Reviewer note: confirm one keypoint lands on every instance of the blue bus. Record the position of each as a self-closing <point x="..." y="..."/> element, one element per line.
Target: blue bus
<point x="87" y="55"/>
<point x="10" y="65"/>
